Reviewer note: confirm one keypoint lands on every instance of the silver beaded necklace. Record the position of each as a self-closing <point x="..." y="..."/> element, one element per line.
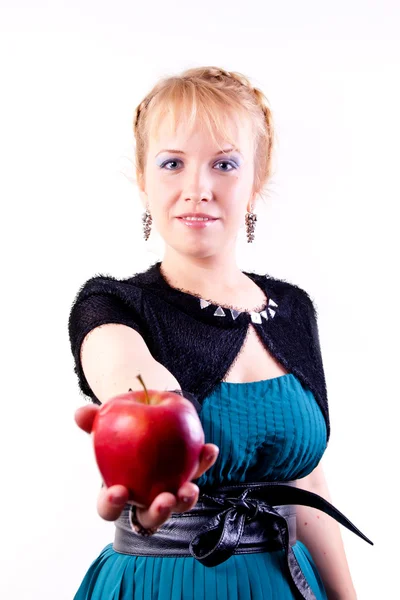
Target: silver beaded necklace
<point x="267" y="312"/>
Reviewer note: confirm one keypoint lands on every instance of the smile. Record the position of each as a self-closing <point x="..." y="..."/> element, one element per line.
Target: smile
<point x="197" y="223"/>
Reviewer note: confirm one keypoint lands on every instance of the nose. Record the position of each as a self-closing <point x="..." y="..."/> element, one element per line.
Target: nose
<point x="196" y="198"/>
<point x="201" y="198"/>
<point x="197" y="187"/>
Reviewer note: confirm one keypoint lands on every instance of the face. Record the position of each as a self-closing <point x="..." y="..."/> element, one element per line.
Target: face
<point x="188" y="173"/>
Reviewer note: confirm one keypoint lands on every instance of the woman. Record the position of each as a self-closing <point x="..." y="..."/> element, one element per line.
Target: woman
<point x="242" y="347"/>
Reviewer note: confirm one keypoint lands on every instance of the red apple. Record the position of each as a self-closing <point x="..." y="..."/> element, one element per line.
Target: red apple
<point x="150" y="441"/>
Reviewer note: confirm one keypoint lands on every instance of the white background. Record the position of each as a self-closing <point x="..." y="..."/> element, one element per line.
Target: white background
<point x="71" y="75"/>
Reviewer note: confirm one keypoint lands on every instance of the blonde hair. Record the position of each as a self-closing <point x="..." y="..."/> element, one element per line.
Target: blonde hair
<point x="212" y="95"/>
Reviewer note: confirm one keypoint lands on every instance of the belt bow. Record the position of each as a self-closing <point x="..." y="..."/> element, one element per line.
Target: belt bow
<point x="216" y="541"/>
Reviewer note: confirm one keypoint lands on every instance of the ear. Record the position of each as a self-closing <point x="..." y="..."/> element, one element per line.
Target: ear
<point x="143" y="198"/>
<point x="252" y="202"/>
<point x="141" y="187"/>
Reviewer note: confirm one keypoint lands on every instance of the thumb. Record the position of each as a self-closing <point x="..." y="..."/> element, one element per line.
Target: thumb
<point x="111" y="501"/>
<point x="85" y="415"/>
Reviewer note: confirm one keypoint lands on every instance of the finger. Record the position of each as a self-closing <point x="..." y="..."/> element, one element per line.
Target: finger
<point x="208" y="457"/>
<point x="158" y="512"/>
<point x="187" y="497"/>
<point x="85" y="415"/>
<point x="111" y="501"/>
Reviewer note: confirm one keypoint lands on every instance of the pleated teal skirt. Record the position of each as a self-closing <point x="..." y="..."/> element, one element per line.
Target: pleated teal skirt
<point x="269" y="430"/>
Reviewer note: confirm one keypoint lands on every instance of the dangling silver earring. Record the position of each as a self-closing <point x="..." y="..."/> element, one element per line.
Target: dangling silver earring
<point x="147" y="221"/>
<point x="250" y="219"/>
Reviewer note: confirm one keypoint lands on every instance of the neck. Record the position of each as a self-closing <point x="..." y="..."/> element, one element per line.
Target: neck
<point x="202" y="274"/>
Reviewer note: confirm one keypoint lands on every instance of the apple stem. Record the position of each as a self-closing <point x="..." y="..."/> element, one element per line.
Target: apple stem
<point x="145" y="390"/>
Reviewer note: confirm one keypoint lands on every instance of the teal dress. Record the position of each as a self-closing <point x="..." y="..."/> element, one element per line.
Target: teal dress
<point x="269" y="430"/>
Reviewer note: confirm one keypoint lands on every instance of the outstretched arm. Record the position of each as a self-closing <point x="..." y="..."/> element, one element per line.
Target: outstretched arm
<point x="322" y="536"/>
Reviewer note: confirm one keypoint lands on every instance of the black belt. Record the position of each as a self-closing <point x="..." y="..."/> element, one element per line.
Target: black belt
<point x="233" y="519"/>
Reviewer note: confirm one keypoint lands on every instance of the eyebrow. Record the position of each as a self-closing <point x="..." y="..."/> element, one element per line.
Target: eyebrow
<point x="174" y="151"/>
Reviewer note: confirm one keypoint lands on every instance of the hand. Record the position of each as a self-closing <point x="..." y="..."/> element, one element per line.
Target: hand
<point x="111" y="501"/>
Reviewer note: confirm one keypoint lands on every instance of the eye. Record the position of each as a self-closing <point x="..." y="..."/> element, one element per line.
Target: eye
<point x="168" y="162"/>
<point x="225" y="162"/>
<point x="232" y="165"/>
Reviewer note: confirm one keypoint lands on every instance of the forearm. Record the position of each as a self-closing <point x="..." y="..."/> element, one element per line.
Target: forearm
<point x="322" y="536"/>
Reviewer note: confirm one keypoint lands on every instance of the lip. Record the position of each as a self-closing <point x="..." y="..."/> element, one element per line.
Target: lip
<point x="197" y="224"/>
<point x="197" y="215"/>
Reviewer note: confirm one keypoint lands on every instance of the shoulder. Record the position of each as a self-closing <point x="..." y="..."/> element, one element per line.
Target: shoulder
<point x="108" y="290"/>
<point x="283" y="288"/>
<point x="104" y="299"/>
<point x="106" y="284"/>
